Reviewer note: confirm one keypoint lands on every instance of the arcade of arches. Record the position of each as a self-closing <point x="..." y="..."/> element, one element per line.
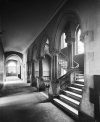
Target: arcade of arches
<point x="66" y="49"/>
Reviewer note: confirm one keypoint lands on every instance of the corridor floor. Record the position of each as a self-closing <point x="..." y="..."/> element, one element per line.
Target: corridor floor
<point x="30" y="107"/>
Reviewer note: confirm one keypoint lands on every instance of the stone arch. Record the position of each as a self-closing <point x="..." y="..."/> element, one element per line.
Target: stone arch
<point x="13" y="56"/>
<point x="43" y="42"/>
<point x="13" y="52"/>
<point x="19" y="65"/>
<point x="64" y="19"/>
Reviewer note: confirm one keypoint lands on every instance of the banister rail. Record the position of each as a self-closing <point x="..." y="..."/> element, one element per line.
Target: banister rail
<point x="68" y="73"/>
<point x="77" y="64"/>
<point x="64" y="81"/>
<point x="64" y="56"/>
<point x="71" y="70"/>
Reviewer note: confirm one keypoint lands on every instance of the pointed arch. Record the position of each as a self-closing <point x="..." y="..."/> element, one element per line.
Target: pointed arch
<point x="45" y="46"/>
<point x="67" y="19"/>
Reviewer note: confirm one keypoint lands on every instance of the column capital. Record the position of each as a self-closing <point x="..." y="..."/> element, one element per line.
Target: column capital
<point x="70" y="40"/>
<point x="40" y="58"/>
<point x="54" y="52"/>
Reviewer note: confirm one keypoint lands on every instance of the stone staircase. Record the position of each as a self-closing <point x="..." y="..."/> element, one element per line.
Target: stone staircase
<point x="69" y="99"/>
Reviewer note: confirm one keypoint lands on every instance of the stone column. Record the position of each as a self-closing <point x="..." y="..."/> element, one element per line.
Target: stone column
<point x="33" y="80"/>
<point x="28" y="71"/>
<point x="69" y="55"/>
<point x="40" y="68"/>
<point x="41" y="80"/>
<point x="54" y="73"/>
<point x="56" y="66"/>
<point x="33" y="68"/>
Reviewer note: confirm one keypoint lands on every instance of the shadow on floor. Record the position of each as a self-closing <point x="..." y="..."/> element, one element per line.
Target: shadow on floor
<point x="32" y="107"/>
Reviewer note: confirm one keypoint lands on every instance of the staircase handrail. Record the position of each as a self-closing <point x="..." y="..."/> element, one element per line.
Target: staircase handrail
<point x="68" y="73"/>
<point x="71" y="70"/>
<point x="77" y="64"/>
<point x="63" y="55"/>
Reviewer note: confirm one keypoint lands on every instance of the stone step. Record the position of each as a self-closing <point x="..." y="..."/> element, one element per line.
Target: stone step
<point x="72" y="102"/>
<point x="72" y="95"/>
<point x="79" y="78"/>
<point x="77" y="85"/>
<point x="79" y="74"/>
<point x="67" y="107"/>
<point x="79" y="81"/>
<point x="75" y="90"/>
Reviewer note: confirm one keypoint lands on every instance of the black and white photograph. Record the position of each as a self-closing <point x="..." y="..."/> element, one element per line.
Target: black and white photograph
<point x="49" y="60"/>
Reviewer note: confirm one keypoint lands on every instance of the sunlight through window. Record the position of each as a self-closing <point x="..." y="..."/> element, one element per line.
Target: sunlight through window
<point x="79" y="43"/>
<point x="63" y="42"/>
<point x="46" y="48"/>
<point x="11" y="64"/>
<point x="12" y="67"/>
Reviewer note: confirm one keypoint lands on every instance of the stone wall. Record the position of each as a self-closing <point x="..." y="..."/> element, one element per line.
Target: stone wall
<point x="1" y="64"/>
<point x="88" y="13"/>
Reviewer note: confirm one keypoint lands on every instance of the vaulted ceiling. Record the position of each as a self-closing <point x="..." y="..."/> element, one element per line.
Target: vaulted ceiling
<point x="22" y="22"/>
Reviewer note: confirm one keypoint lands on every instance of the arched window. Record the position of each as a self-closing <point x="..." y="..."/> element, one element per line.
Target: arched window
<point x="46" y="48"/>
<point x="79" y="46"/>
<point x="63" y="42"/>
<point x="12" y="64"/>
<point x="62" y="67"/>
<point x="12" y="67"/>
